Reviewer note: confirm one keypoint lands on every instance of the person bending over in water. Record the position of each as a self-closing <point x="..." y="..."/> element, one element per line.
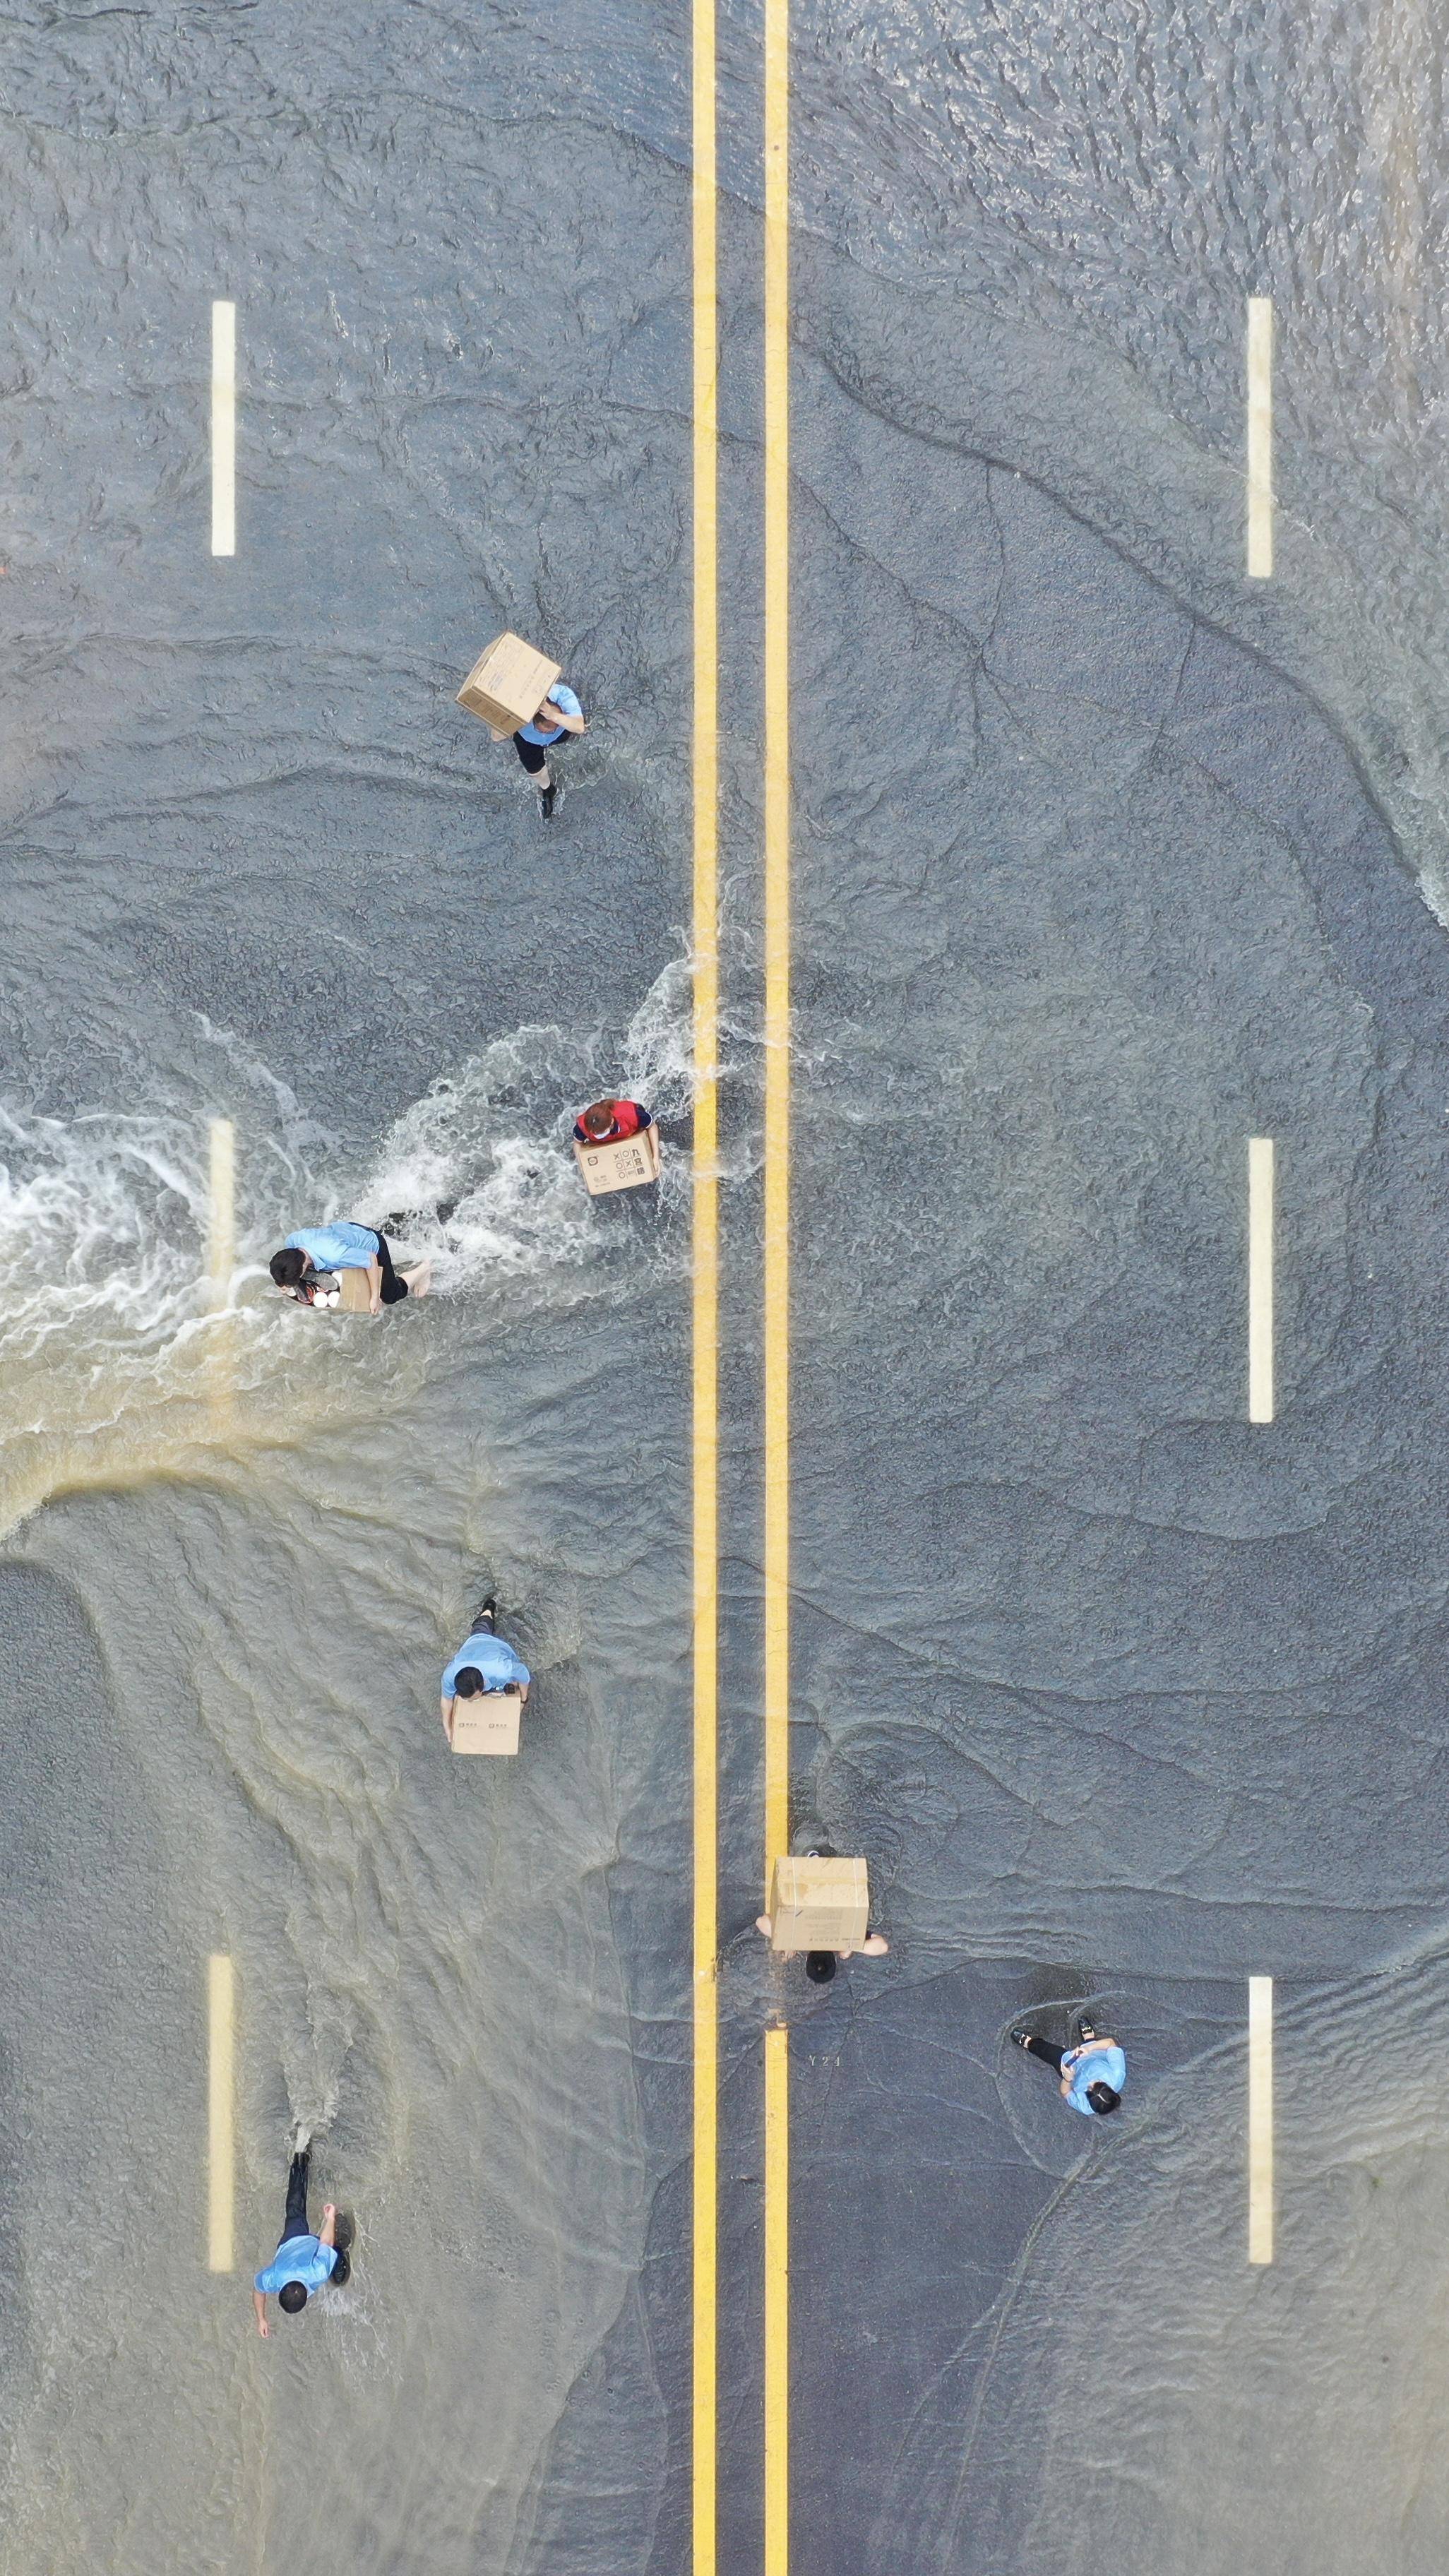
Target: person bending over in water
<point x="342" y="1246"/>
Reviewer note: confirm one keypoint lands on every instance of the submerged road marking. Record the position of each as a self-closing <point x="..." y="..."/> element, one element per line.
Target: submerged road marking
<point x="705" y="1310"/>
<point x="1260" y="437"/>
<point x="220" y="2113"/>
<point x="1260" y="2119"/>
<point x="777" y="934"/>
<point x="777" y="2303"/>
<point x="1260" y="1278"/>
<point x="223" y="429"/>
<point x="221" y="1262"/>
<point x="221" y="1211"/>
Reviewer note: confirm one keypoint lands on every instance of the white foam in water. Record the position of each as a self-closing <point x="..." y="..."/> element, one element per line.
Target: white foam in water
<point x="103" y="1216"/>
<point x="493" y="1142"/>
<point x="99" y="1221"/>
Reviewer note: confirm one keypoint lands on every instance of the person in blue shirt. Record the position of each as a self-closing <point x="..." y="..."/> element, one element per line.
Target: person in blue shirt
<point x="343" y="1245"/>
<point x="302" y="2261"/>
<point x="559" y="715"/>
<point x="1090" y="2076"/>
<point x="484" y="1662"/>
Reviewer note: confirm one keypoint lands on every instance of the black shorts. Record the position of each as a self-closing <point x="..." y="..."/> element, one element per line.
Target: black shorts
<point x="534" y="754"/>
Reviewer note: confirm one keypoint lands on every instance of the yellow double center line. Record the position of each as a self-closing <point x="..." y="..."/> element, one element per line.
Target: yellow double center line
<point x="706" y="1291"/>
<point x="706" y="1269"/>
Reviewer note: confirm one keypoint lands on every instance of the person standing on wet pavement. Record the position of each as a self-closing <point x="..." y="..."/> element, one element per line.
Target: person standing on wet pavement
<point x="302" y="2261"/>
<point x="559" y="716"/>
<point x="344" y="1245"/>
<point x="484" y="1662"/>
<point x="1090" y="2076"/>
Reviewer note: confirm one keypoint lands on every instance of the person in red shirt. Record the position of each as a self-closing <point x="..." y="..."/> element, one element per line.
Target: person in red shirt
<point x="605" y="1121"/>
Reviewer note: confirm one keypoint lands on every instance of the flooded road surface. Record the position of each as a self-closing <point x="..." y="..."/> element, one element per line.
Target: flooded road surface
<point x="1106" y="857"/>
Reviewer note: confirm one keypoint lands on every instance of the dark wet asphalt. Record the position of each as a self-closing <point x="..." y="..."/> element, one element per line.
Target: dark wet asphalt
<point x="1103" y="864"/>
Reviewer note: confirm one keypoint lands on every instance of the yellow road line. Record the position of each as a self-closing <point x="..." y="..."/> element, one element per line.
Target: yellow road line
<point x="220" y="2113"/>
<point x="777" y="932"/>
<point x="1260" y="437"/>
<point x="1260" y="2119"/>
<point x="223" y="429"/>
<point x="1260" y="1278"/>
<point x="705" y="1319"/>
<point x="777" y="2303"/>
<point x="777" y="1242"/>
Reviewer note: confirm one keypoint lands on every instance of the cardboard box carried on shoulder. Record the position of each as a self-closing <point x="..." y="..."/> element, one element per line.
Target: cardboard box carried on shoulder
<point x="508" y="684"/>
<point x="818" y="1904"/>
<point x="487" y="1723"/>
<point x="626" y="1164"/>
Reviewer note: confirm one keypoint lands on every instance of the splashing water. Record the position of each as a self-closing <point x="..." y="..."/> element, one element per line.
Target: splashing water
<point x="111" y="1356"/>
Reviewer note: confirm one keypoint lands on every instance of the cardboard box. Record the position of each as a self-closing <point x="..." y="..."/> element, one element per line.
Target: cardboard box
<point x="487" y="1723"/>
<point x="626" y="1164"/>
<point x="355" y="1291"/>
<point x="507" y="685"/>
<point x="818" y="1904"/>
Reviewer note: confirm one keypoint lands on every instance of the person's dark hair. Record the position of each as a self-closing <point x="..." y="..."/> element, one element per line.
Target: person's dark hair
<point x="286" y="1266"/>
<point x="469" y="1682"/>
<point x="293" y="2297"/>
<point x="820" y="1966"/>
<point x="599" y="1119"/>
<point x="1102" y="2098"/>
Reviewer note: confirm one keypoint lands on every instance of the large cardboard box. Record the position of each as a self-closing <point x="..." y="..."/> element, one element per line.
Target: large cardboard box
<point x="507" y="685"/>
<point x="625" y="1165"/>
<point x="487" y="1723"/>
<point x="818" y="1904"/>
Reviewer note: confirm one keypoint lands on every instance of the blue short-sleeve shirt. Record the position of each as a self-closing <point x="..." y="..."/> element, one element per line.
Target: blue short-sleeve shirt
<point x="301" y="2258"/>
<point x="1101" y="2066"/>
<point x="343" y="1246"/>
<point x="490" y="1656"/>
<point x="562" y="696"/>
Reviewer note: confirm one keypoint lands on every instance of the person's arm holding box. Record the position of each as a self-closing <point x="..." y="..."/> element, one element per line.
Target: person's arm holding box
<point x="551" y="713"/>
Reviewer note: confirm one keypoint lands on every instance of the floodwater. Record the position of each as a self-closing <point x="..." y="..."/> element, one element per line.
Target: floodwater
<point x="1105" y="859"/>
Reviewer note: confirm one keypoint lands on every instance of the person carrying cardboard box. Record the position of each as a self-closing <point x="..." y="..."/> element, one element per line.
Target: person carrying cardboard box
<point x="484" y="1662"/>
<point x="559" y="716"/>
<point x="820" y="1898"/>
